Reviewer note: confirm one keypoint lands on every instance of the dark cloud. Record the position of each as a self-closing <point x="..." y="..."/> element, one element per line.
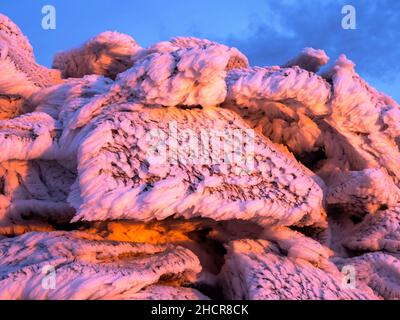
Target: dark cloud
<point x="288" y="26"/>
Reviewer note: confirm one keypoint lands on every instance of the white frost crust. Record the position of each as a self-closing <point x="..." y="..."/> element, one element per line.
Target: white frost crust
<point x="34" y="191"/>
<point x="20" y="76"/>
<point x="309" y="59"/>
<point x="298" y="246"/>
<point x="88" y="268"/>
<point x="237" y="59"/>
<point x="121" y="178"/>
<point x="61" y="101"/>
<point x="378" y="270"/>
<point x="107" y="54"/>
<point x="258" y="270"/>
<point x="365" y="123"/>
<point x="15" y="88"/>
<point x="10" y="32"/>
<point x="16" y="47"/>
<point x="298" y="88"/>
<point x="363" y="192"/>
<point x="30" y="136"/>
<point x="159" y="292"/>
<point x="378" y="231"/>
<point x="182" y="72"/>
<point x="284" y="104"/>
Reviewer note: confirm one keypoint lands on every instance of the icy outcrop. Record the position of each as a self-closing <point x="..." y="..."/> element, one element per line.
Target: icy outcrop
<point x="281" y="103"/>
<point x="28" y="137"/>
<point x="298" y="246"/>
<point x="190" y="174"/>
<point x="107" y="54"/>
<point x="363" y="192"/>
<point x="85" y="267"/>
<point x="379" y="231"/>
<point x="204" y="237"/>
<point x="283" y="125"/>
<point x="298" y="88"/>
<point x="364" y="122"/>
<point x="160" y="292"/>
<point x="16" y="48"/>
<point x="257" y="270"/>
<point x="126" y="173"/>
<point x="187" y="44"/>
<point x="60" y="100"/>
<point x="20" y="76"/>
<point x="35" y="190"/>
<point x="380" y="271"/>
<point x="186" y="72"/>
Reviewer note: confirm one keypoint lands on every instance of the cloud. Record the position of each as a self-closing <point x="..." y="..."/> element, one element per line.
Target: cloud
<point x="288" y="26"/>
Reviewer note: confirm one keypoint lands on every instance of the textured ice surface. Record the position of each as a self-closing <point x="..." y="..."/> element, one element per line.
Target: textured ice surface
<point x="20" y="76"/>
<point x="88" y="268"/>
<point x="108" y="54"/>
<point x="362" y="192"/>
<point x="191" y="174"/>
<point x="28" y="137"/>
<point x="281" y="103"/>
<point x="378" y="231"/>
<point x="35" y="189"/>
<point x="122" y="174"/>
<point x="309" y="59"/>
<point x="364" y="124"/>
<point x="257" y="270"/>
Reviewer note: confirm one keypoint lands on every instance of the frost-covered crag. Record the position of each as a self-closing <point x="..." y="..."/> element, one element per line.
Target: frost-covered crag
<point x="179" y="171"/>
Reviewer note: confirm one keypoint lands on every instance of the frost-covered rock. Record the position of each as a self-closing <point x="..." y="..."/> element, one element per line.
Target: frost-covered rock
<point x="236" y="58"/>
<point x="309" y="59"/>
<point x="161" y="292"/>
<point x="73" y="265"/>
<point x="186" y="72"/>
<point x="33" y="194"/>
<point x="298" y="246"/>
<point x="296" y="87"/>
<point x="257" y="270"/>
<point x="28" y="137"/>
<point x="20" y="76"/>
<point x="107" y="54"/>
<point x="378" y="231"/>
<point x="138" y="163"/>
<point x="61" y="101"/>
<point x="380" y="271"/>
<point x="364" y="124"/>
<point x="282" y="103"/>
<point x="165" y="156"/>
<point x="363" y="192"/>
<point x="284" y="126"/>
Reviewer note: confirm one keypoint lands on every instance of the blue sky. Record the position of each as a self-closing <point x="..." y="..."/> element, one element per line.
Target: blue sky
<point x="268" y="31"/>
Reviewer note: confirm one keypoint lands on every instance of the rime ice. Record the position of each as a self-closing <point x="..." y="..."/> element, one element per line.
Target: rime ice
<point x="179" y="171"/>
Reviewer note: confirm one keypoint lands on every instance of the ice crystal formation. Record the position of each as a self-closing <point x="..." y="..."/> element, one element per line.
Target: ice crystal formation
<point x="179" y="171"/>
